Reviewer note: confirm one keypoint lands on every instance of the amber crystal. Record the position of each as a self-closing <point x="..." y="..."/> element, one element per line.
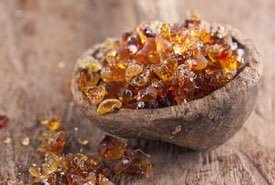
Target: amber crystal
<point x="111" y="148"/>
<point x="134" y="162"/>
<point x="108" y="105"/>
<point x="95" y="94"/>
<point x="52" y="142"/>
<point x="54" y="124"/>
<point x="102" y="180"/>
<point x="3" y="121"/>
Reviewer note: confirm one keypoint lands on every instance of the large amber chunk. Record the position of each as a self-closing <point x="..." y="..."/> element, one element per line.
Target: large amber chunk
<point x="111" y="148"/>
<point x="108" y="105"/>
<point x="96" y="94"/>
<point x="190" y="59"/>
<point x="53" y="142"/>
<point x="134" y="162"/>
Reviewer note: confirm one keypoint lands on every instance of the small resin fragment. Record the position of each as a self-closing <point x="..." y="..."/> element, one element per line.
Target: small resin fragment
<point x="7" y="140"/>
<point x="87" y="79"/>
<point x="102" y="180"/>
<point x="134" y="162"/>
<point x="25" y="141"/>
<point x="133" y="70"/>
<point x="48" y="167"/>
<point x="125" y="96"/>
<point x="112" y="73"/>
<point x="96" y="94"/>
<point x="111" y="148"/>
<point x="89" y="62"/>
<point x="53" y="124"/>
<point x="3" y="121"/>
<point x="200" y="62"/>
<point x="163" y="72"/>
<point x="108" y="105"/>
<point x="52" y="143"/>
<point x="147" y="94"/>
<point x="142" y="79"/>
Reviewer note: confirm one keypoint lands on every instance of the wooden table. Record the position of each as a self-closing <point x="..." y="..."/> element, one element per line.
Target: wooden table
<point x="40" y="42"/>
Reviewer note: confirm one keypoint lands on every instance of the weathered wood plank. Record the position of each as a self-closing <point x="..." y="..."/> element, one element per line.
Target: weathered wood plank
<point x="37" y="36"/>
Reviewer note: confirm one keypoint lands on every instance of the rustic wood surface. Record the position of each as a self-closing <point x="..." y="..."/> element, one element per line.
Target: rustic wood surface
<point x="40" y="42"/>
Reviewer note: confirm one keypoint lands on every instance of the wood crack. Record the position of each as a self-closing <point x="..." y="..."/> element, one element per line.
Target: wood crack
<point x="10" y="41"/>
<point x="10" y="158"/>
<point x="252" y="169"/>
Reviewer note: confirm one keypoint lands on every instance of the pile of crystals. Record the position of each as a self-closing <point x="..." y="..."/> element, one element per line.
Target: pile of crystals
<point x="113" y="158"/>
<point x="159" y="64"/>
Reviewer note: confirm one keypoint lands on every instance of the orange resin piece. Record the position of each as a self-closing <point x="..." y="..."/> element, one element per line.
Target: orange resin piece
<point x="53" y="142"/>
<point x="3" y="121"/>
<point x="111" y="148"/>
<point x="134" y="162"/>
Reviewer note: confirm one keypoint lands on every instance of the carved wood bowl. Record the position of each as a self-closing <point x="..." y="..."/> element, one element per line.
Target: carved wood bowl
<point x="200" y="124"/>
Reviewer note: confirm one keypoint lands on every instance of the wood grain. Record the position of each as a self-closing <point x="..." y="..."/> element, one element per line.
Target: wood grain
<point x="37" y="36"/>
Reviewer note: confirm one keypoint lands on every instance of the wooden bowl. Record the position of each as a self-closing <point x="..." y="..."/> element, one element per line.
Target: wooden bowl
<point x="201" y="124"/>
